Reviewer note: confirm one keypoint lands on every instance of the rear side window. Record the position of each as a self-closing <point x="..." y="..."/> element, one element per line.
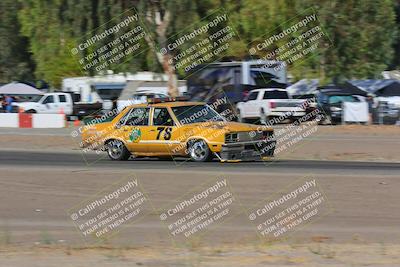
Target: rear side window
<point x="275" y="95"/>
<point x="253" y="96"/>
<point x="62" y="98"/>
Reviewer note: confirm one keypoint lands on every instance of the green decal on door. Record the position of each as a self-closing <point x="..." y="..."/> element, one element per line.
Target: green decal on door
<point x="135" y="135"/>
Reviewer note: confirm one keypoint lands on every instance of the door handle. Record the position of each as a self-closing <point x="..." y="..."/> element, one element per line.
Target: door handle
<point x="152" y="130"/>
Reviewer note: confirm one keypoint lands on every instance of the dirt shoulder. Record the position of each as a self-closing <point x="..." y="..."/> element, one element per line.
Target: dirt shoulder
<point x="303" y="255"/>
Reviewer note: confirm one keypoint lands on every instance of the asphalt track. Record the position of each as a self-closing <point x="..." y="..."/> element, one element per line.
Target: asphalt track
<point x="93" y="160"/>
<point x="37" y="188"/>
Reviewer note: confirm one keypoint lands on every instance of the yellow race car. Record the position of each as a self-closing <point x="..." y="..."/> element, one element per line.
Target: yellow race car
<point x="170" y="128"/>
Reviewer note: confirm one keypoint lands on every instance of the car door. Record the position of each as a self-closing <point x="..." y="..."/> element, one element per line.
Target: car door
<point x="163" y="133"/>
<point x="65" y="103"/>
<point x="135" y="128"/>
<point x="250" y="106"/>
<point x="49" y="105"/>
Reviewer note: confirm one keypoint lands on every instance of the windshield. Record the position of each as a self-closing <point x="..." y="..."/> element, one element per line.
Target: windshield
<point x="196" y="113"/>
<point x="275" y="95"/>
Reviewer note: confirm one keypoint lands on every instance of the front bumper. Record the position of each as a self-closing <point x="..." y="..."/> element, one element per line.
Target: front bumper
<point x="247" y="151"/>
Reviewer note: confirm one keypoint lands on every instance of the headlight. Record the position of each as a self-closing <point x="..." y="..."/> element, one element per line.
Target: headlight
<point x="231" y="138"/>
<point x="336" y="109"/>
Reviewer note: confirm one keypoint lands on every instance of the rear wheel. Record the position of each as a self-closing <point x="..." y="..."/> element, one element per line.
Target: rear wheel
<point x="116" y="150"/>
<point x="199" y="151"/>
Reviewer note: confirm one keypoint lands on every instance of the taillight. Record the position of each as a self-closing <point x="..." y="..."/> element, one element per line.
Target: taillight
<point x="272" y="104"/>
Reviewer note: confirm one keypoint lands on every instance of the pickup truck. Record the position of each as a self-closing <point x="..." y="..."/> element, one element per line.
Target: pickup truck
<point x="53" y="103"/>
<point x="264" y="104"/>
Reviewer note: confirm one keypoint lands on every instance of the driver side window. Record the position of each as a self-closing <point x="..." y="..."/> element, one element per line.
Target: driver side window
<point x="48" y="100"/>
<point x="162" y="117"/>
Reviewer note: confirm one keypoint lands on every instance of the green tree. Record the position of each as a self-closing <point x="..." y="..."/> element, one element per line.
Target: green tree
<point x="49" y="41"/>
<point x="362" y="32"/>
<point x="15" y="60"/>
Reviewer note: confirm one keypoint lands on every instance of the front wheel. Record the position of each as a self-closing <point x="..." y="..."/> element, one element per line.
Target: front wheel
<point x="199" y="151"/>
<point x="116" y="150"/>
<point x="327" y="120"/>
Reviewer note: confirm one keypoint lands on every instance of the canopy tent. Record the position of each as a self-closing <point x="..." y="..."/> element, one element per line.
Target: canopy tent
<point x="307" y="88"/>
<point x="378" y="87"/>
<point x="346" y="88"/>
<point x="303" y="87"/>
<point x="392" y="89"/>
<point x="19" y="89"/>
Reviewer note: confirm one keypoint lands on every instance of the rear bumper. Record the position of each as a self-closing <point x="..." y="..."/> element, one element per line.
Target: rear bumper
<point x="289" y="114"/>
<point x="247" y="151"/>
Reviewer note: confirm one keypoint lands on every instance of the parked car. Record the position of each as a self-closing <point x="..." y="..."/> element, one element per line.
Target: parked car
<point x="53" y="103"/>
<point x="264" y="104"/>
<point x="330" y="101"/>
<point x="386" y="112"/>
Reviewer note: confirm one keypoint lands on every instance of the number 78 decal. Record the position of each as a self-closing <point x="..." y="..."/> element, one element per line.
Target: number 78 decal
<point x="167" y="132"/>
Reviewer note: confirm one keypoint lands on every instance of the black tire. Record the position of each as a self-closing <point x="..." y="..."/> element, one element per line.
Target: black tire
<point x="328" y="120"/>
<point x="199" y="151"/>
<point x="116" y="150"/>
<point x="31" y="111"/>
<point x="165" y="158"/>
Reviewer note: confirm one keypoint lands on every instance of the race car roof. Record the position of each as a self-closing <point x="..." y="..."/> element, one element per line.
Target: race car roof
<point x="169" y="104"/>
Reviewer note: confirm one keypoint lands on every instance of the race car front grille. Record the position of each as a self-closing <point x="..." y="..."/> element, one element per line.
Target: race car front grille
<point x="231" y="138"/>
<point x="240" y="137"/>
